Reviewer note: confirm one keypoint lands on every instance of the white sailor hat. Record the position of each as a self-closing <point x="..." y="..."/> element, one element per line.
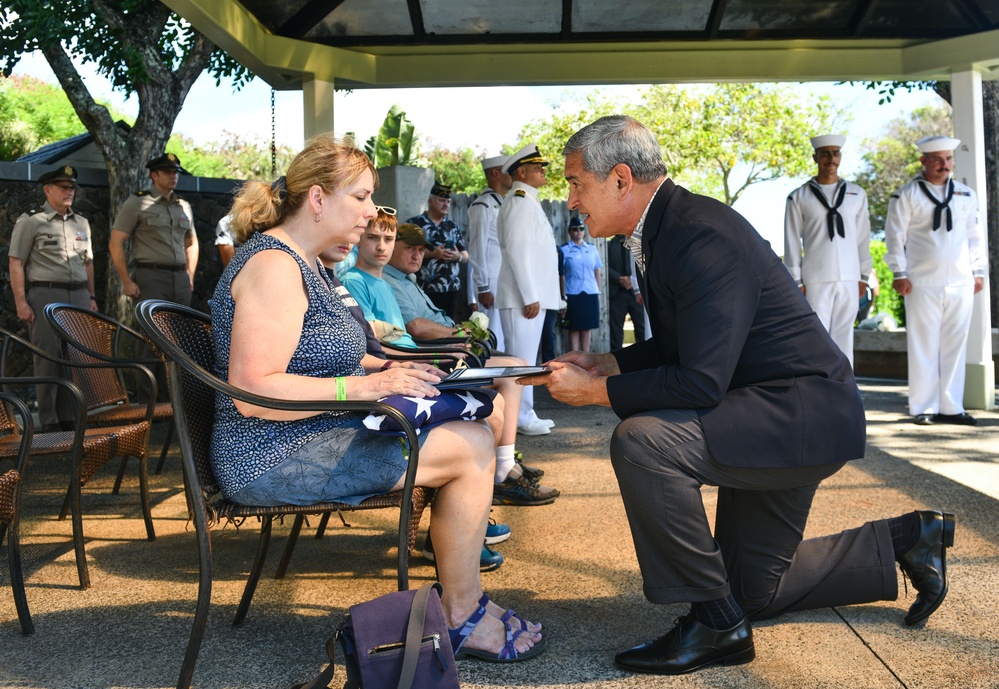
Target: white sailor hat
<point x="828" y="140"/>
<point x="930" y="144"/>
<point x="528" y="154"/>
<point x="495" y="161"/>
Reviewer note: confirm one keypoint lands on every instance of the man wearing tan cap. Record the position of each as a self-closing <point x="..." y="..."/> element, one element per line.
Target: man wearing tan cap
<point x="51" y="261"/>
<point x="483" y="244"/>
<point x="936" y="250"/>
<point x="515" y="484"/>
<point x="528" y="282"/>
<point x="827" y="242"/>
<point x="160" y="226"/>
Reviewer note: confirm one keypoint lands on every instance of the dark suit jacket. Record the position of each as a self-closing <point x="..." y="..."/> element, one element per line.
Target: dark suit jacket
<point x="733" y="338"/>
<point x="618" y="264"/>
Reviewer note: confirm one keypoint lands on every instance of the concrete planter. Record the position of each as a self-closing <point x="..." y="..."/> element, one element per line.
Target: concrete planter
<point x="879" y="354"/>
<point x="883" y="354"/>
<point x="404" y="188"/>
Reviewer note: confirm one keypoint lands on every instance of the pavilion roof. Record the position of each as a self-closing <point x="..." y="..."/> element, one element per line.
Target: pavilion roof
<point x="362" y="43"/>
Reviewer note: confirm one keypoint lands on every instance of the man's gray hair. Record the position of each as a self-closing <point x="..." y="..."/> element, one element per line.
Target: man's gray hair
<point x="618" y="139"/>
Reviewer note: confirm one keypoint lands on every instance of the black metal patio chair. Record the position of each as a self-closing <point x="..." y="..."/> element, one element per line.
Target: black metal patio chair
<point x="89" y="337"/>
<point x="89" y="448"/>
<point x="184" y="337"/>
<point x="10" y="501"/>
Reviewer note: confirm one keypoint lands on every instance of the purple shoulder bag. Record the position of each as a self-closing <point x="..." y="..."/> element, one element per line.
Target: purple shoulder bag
<point x="396" y="640"/>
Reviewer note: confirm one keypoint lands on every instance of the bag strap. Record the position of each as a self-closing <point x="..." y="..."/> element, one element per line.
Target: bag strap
<point x="414" y="634"/>
<point x="322" y="680"/>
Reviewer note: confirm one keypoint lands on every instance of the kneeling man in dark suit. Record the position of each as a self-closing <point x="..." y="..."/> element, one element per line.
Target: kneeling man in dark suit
<point x="741" y="388"/>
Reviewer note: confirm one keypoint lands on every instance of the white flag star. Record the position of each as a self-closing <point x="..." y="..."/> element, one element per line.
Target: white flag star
<point x="423" y="406"/>
<point x="471" y="404"/>
<point x="373" y="422"/>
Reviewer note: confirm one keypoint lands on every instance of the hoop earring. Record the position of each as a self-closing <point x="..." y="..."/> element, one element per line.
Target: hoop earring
<point x="317" y="216"/>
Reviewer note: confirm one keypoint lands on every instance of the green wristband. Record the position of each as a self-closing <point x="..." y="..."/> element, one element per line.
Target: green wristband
<point x="341" y="389"/>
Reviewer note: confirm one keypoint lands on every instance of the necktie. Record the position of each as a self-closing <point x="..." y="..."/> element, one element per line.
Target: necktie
<point x="834" y="221"/>
<point x="939" y="207"/>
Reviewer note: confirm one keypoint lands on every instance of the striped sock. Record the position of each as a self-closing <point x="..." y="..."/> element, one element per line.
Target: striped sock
<point x="723" y="613"/>
<point x="904" y="533"/>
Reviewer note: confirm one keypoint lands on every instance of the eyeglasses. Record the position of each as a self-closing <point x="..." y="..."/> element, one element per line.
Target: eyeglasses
<point x="575" y="229"/>
<point x="387" y="210"/>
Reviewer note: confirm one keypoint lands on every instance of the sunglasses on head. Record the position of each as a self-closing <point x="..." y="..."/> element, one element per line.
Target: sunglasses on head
<point x="387" y="210"/>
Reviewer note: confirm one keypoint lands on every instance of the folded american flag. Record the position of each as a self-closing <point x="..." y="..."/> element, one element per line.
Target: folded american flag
<point x="426" y="412"/>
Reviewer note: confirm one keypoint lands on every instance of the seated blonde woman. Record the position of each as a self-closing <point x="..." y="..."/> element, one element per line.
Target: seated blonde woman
<point x="281" y="331"/>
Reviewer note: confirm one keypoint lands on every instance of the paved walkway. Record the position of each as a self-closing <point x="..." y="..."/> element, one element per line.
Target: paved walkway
<point x="570" y="565"/>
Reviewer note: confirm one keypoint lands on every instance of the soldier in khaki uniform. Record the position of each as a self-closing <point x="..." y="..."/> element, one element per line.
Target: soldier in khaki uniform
<point x="51" y="261"/>
<point x="164" y="244"/>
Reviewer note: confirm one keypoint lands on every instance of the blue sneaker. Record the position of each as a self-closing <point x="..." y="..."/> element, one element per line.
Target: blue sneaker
<point x="489" y="559"/>
<point x="496" y="533"/>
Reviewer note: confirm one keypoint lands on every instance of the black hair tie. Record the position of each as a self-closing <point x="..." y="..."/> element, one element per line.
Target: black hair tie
<point x="281" y="187"/>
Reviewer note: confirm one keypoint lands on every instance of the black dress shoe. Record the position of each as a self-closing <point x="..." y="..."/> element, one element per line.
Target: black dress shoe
<point x="962" y="419"/>
<point x="690" y="646"/>
<point x="923" y="419"/>
<point x="926" y="563"/>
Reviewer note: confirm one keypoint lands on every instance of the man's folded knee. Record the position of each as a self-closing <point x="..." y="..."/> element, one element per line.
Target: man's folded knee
<point x="652" y="435"/>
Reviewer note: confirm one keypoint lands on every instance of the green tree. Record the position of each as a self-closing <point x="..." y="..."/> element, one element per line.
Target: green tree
<point x="462" y="169"/>
<point x="729" y="137"/>
<point x="887" y="300"/>
<point x="16" y="137"/>
<point x="34" y="113"/>
<point x="893" y="159"/>
<point x="719" y="139"/>
<point x="551" y="133"/>
<point x="142" y="48"/>
<point x="231" y="158"/>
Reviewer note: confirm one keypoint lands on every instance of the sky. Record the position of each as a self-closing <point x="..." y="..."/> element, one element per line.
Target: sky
<point x="481" y="118"/>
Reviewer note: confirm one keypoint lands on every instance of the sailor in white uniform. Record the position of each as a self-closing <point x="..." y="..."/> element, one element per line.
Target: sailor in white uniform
<point x="827" y="242"/>
<point x="483" y="244"/>
<point x="936" y="249"/>
<point x="528" y="282"/>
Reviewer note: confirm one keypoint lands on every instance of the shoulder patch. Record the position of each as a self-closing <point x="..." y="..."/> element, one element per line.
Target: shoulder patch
<point x="479" y="203"/>
<point x="142" y="193"/>
<point x="520" y="192"/>
<point x="895" y="196"/>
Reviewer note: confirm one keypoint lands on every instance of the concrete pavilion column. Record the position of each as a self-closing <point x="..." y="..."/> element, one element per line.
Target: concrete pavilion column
<point x="969" y="167"/>
<point x="317" y="99"/>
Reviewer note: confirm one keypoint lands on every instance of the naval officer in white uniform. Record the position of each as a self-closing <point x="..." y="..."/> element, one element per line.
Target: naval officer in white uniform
<point x="936" y="249"/>
<point x="827" y="242"/>
<point x="483" y="244"/>
<point x="528" y="279"/>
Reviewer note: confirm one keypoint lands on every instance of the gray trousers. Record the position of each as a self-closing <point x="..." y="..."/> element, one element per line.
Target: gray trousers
<point x="756" y="553"/>
<point x="54" y="403"/>
<point x="169" y="285"/>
